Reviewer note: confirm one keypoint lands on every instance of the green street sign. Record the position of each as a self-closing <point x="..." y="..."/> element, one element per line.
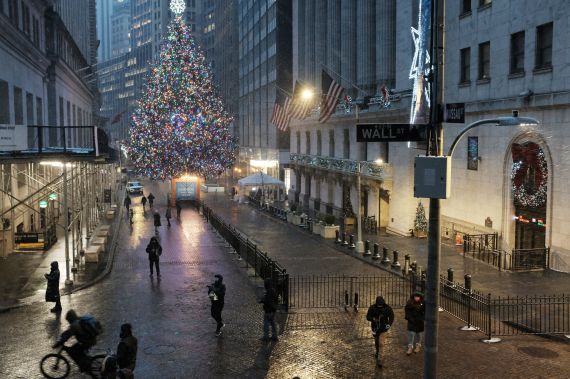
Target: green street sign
<point x="43" y="203"/>
<point x="52" y="196"/>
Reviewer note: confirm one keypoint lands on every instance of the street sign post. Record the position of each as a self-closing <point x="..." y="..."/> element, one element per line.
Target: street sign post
<point x="390" y="133"/>
<point x="454" y="113"/>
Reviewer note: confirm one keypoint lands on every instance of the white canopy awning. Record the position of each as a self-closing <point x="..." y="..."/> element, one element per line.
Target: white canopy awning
<point x="260" y="179"/>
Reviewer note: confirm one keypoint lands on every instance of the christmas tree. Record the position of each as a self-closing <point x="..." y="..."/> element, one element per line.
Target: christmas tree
<point x="180" y="125"/>
<point x="347" y="209"/>
<point x="420" y="223"/>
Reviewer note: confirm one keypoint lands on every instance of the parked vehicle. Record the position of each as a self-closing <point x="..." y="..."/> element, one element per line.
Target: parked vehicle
<point x="134" y="188"/>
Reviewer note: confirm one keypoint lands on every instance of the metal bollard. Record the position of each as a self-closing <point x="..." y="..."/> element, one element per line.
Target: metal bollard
<point x="414" y="266"/>
<point x="395" y="263"/>
<point x="337" y="237"/>
<point x="406" y="269"/>
<point x="344" y="242"/>
<point x="467" y="278"/>
<point x="367" y="248"/>
<point x="376" y="255"/>
<point x="385" y="259"/>
<point x="352" y="245"/>
<point x="450" y="275"/>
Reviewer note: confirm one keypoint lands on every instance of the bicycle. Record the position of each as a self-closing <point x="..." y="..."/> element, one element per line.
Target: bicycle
<point x="56" y="366"/>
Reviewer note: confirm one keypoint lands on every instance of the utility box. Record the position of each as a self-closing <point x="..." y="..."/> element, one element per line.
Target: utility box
<point x="432" y="177"/>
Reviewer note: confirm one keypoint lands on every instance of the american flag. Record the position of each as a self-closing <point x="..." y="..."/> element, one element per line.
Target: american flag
<point x="331" y="93"/>
<point x="299" y="107"/>
<point x="280" y="116"/>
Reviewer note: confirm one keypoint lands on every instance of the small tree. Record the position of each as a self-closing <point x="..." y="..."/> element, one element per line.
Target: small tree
<point x="420" y="222"/>
<point x="347" y="209"/>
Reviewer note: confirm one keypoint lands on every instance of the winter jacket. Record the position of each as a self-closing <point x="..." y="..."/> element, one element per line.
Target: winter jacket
<point x="77" y="331"/>
<point x="269" y="300"/>
<point x="127" y="352"/>
<point x="52" y="291"/>
<point x="156" y="219"/>
<point x="153" y="250"/>
<point x="380" y="315"/>
<point x="168" y="213"/>
<point x="219" y="289"/>
<point x="415" y="314"/>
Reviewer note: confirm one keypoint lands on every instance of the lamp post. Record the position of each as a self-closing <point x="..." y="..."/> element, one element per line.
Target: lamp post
<point x="359" y="164"/>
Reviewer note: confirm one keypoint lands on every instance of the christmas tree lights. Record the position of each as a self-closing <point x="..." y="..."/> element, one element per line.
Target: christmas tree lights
<point x="180" y="125"/>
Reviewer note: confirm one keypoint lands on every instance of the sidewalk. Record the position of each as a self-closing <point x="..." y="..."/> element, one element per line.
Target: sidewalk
<point x="274" y="236"/>
<point x="22" y="273"/>
<point x="337" y="344"/>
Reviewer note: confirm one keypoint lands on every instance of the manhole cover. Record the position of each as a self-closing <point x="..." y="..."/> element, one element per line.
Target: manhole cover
<point x="538" y="352"/>
<point x="159" y="349"/>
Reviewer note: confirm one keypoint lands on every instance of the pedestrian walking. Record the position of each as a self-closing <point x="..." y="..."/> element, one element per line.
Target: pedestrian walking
<point x="127" y="203"/>
<point x="156" y="222"/>
<point x="178" y="209"/>
<point x="127" y="351"/>
<point x="217" y="294"/>
<point x="269" y="302"/>
<point x="415" y="314"/>
<point x="52" y="291"/>
<point x="150" y="200"/>
<point x="381" y="317"/>
<point x="154" y="251"/>
<point x="168" y="215"/>
<point x="143" y="202"/>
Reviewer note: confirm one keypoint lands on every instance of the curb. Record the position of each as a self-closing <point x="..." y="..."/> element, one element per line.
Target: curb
<point x="68" y="291"/>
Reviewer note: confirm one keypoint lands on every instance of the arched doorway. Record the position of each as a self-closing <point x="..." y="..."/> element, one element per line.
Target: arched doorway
<point x="529" y="184"/>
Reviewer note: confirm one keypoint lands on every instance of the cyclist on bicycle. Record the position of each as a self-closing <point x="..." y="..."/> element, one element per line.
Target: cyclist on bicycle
<point x="85" y="340"/>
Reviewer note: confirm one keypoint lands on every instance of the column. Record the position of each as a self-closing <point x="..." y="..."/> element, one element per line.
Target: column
<point x="385" y="43"/>
<point x="310" y="41"/>
<point x="320" y="40"/>
<point x="366" y="53"/>
<point x="348" y="45"/>
<point x="333" y="37"/>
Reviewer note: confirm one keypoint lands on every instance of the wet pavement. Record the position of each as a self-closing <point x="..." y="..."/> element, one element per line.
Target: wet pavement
<point x="170" y="317"/>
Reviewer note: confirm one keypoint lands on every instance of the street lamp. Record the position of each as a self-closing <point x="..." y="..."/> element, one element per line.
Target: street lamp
<point x="434" y="250"/>
<point x="307" y="94"/>
<point x="359" y="164"/>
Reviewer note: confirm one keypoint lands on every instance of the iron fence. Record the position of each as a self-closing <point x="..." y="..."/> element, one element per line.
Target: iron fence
<point x="262" y="265"/>
<point x="530" y="259"/>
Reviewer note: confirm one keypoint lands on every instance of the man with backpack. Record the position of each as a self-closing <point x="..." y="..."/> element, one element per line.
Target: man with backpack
<point x="381" y="317"/>
<point x="269" y="302"/>
<point x="150" y="199"/>
<point x="217" y="294"/>
<point x="85" y="329"/>
<point x="154" y="251"/>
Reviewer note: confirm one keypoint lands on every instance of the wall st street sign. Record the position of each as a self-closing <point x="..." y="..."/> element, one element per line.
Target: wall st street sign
<point x="390" y="133"/>
<point x="454" y="113"/>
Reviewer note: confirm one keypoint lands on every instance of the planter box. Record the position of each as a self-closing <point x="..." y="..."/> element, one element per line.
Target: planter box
<point x="420" y="233"/>
<point x="92" y="254"/>
<point x="329" y="232"/>
<point x="349" y="221"/>
<point x="290" y="217"/>
<point x="296" y="219"/>
<point x="317" y="228"/>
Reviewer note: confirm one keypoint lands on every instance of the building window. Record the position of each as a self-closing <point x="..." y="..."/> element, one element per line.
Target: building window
<point x="465" y="71"/>
<point x="485" y="3"/>
<point x="30" y="109"/>
<point x="517" y="53"/>
<point x="25" y="19"/>
<point x="331" y="143"/>
<point x="346" y="144"/>
<point x="484" y="60"/>
<point x="61" y="111"/>
<point x="544" y="46"/>
<point x="4" y="103"/>
<point x="472" y="153"/>
<point x="319" y="143"/>
<point x="308" y="145"/>
<point x="18" y="107"/>
<point x="465" y="6"/>
<point x="13" y="12"/>
<point x="298" y="142"/>
<point x="39" y="111"/>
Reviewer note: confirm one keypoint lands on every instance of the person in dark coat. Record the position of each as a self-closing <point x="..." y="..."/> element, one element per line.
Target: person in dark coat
<point x="143" y="202"/>
<point x="415" y="314"/>
<point x="381" y="317"/>
<point x="269" y="302"/>
<point x="127" y="351"/>
<point x="52" y="291"/>
<point x="78" y="351"/>
<point x="168" y="215"/>
<point x="154" y="251"/>
<point x="178" y="209"/>
<point x="217" y="294"/>
<point x="127" y="203"/>
<point x="156" y="222"/>
<point x="150" y="200"/>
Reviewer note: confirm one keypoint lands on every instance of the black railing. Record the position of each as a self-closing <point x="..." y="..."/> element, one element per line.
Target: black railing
<point x="485" y="248"/>
<point x="259" y="261"/>
<point x="530" y="259"/>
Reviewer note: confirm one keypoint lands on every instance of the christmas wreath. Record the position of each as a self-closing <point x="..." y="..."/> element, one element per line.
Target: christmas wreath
<point x="529" y="192"/>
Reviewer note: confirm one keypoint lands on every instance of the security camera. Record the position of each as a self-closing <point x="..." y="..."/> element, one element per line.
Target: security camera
<point x="515" y="113"/>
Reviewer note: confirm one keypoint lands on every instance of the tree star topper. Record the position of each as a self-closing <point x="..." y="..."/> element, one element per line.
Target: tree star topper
<point x="177" y="7"/>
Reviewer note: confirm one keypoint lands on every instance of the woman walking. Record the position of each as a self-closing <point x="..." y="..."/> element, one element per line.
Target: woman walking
<point x="52" y="291"/>
<point x="415" y="314"/>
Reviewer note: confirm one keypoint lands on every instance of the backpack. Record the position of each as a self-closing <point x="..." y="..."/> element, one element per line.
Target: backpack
<point x="90" y="326"/>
